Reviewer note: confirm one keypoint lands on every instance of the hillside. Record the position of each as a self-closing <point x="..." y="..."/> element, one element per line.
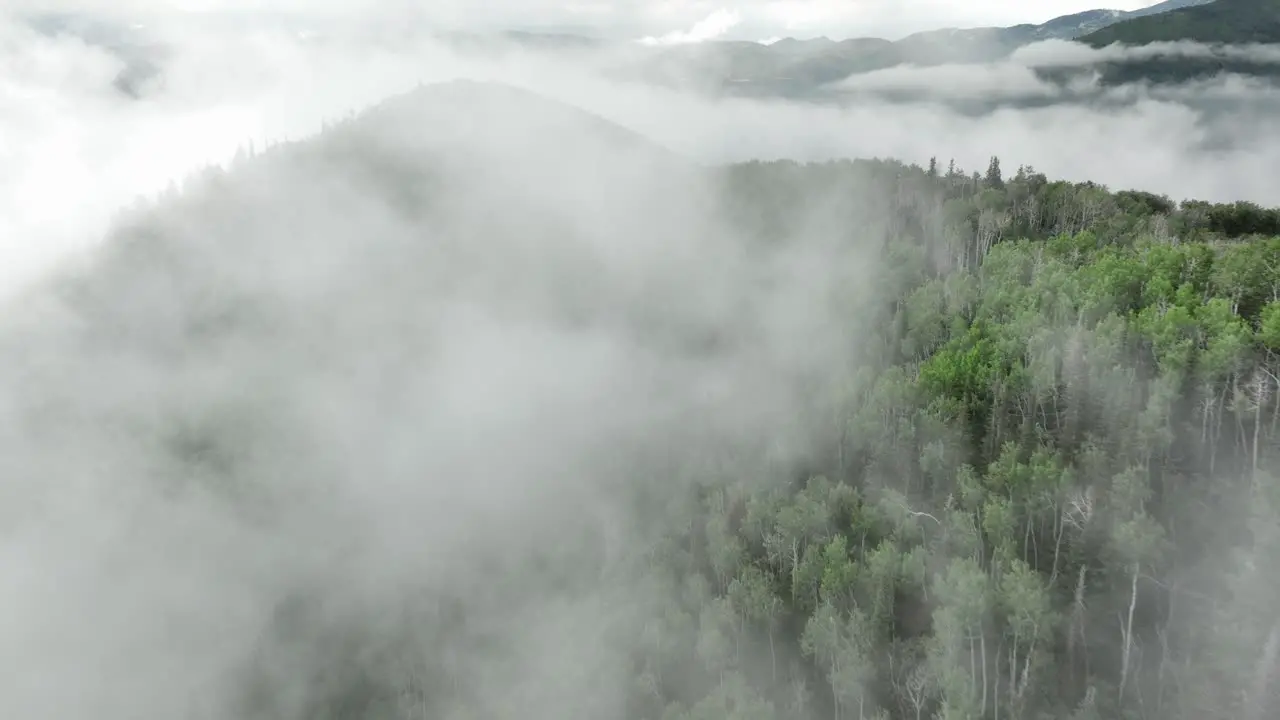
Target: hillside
<point x="801" y="67"/>
<point x="1222" y="21"/>
<point x="1230" y="22"/>
<point x="478" y="405"/>
<point x="1163" y="7"/>
<point x="448" y="161"/>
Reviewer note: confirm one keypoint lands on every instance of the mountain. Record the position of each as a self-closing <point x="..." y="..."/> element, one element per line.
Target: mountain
<point x="792" y="67"/>
<point x="431" y="272"/>
<point x="1164" y="7"/>
<point x="1068" y="27"/>
<point x="463" y="408"/>
<point x="1224" y="22"/>
<point x="434" y="168"/>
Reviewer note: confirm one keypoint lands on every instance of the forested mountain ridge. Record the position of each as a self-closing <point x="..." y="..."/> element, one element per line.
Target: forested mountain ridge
<point x="790" y="67"/>
<point x="1033" y="453"/>
<point x="1222" y="21"/>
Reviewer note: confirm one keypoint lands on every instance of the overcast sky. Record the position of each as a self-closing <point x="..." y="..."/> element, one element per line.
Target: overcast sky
<point x="763" y="18"/>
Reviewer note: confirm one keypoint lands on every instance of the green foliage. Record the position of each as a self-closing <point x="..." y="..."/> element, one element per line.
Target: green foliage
<point x="1047" y="408"/>
<point x="1014" y="506"/>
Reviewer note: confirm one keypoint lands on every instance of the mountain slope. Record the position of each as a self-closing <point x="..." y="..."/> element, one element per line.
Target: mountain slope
<point x="461" y="160"/>
<point x="789" y="67"/>
<point x="1165" y="6"/>
<point x="432" y="358"/>
<point x="406" y="322"/>
<point x="1223" y="21"/>
<point x="345" y="434"/>
<point x="801" y="67"/>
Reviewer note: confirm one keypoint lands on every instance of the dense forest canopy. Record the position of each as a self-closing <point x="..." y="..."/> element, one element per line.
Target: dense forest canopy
<point x="1026" y="513"/>
<point x="851" y="439"/>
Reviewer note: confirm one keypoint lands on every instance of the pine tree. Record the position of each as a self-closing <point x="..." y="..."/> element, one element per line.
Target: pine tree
<point x="994" y="179"/>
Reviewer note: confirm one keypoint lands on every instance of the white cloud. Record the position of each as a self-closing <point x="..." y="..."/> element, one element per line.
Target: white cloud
<point x="711" y="27"/>
<point x="835" y="18"/>
<point x="953" y="81"/>
<point x="1016" y="75"/>
<point x="68" y="142"/>
<point x="1061" y="52"/>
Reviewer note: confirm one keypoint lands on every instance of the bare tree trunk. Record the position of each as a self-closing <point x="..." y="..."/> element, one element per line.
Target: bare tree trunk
<point x="1126" y="654"/>
<point x="835" y="693"/>
<point x="1026" y="670"/>
<point x="1258" y="397"/>
<point x="996" y="689"/>
<point x="795" y="566"/>
<point x="1059" y="527"/>
<point x="973" y="666"/>
<point x="982" y="639"/>
<point x="1217" y="430"/>
<point x="1013" y="666"/>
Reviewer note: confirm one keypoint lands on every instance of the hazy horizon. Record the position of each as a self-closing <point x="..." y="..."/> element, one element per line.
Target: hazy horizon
<point x="755" y="20"/>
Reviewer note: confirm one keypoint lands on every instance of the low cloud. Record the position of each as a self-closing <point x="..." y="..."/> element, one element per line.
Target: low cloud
<point x="984" y="81"/>
<point x="711" y="27"/>
<point x="290" y="386"/>
<point x="621" y="18"/>
<point x="1051" y="53"/>
<point x="72" y="141"/>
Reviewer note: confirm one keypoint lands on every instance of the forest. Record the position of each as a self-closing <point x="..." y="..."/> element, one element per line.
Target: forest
<point x="1218" y="23"/>
<point x="1046" y="488"/>
<point x="1046" y="492"/>
<point x="1051" y="495"/>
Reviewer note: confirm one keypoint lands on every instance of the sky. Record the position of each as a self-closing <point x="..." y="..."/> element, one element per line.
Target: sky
<point x="751" y="19"/>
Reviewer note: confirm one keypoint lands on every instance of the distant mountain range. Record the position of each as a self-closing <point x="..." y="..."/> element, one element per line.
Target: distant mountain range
<point x="803" y="68"/>
<point x="811" y="69"/>
<point x="1069" y="27"/>
<point x="1223" y="21"/>
<point x="808" y="68"/>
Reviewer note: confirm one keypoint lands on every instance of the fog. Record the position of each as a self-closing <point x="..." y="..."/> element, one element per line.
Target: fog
<point x="618" y="18"/>
<point x="68" y="133"/>
<point x="295" y="388"/>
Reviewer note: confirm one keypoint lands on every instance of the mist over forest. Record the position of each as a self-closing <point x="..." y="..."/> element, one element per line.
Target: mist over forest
<point x="359" y="369"/>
